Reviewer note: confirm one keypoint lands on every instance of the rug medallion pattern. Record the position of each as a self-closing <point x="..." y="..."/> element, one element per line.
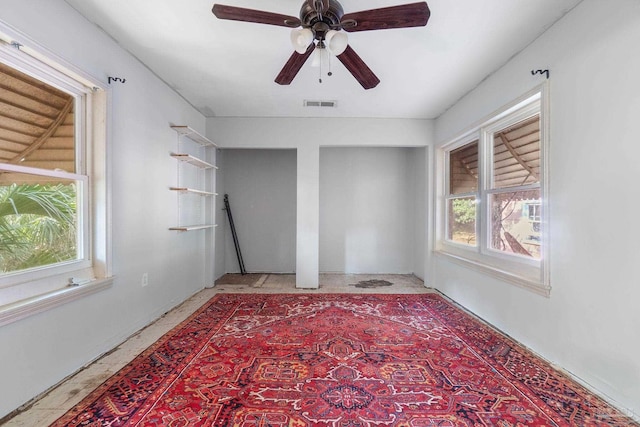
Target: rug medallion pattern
<point x="338" y="361"/>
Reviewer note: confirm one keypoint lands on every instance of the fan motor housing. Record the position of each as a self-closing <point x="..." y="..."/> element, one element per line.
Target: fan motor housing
<point x="321" y="22"/>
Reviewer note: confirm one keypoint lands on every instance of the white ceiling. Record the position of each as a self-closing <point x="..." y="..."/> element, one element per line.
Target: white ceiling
<point x="227" y="68"/>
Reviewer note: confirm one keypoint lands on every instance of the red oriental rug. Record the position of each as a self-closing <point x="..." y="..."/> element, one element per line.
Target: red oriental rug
<point x="340" y="361"/>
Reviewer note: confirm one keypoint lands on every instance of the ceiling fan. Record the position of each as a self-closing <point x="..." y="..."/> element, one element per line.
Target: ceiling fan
<point x="321" y="22"/>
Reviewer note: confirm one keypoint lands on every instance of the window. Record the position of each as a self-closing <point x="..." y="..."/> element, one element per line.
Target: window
<point x="41" y="177"/>
<point x="492" y="207"/>
<point x="515" y="185"/>
<point x="52" y="181"/>
<point x="463" y="190"/>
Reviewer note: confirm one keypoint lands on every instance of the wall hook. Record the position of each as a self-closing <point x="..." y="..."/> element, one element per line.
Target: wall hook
<point x="116" y="79"/>
<point x="541" y="72"/>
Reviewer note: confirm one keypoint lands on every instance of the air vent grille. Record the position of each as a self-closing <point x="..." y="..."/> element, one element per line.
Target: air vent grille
<point x="318" y="103"/>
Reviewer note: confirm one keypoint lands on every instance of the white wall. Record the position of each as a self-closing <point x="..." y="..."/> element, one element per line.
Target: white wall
<point x="262" y="193"/>
<point x="368" y="209"/>
<point x="307" y="136"/>
<point x="418" y="187"/>
<point x="39" y="351"/>
<point x="590" y="325"/>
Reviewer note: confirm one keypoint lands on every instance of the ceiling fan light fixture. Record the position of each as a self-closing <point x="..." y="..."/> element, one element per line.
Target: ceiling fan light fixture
<point x="336" y="41"/>
<point x="320" y="56"/>
<point x="301" y="39"/>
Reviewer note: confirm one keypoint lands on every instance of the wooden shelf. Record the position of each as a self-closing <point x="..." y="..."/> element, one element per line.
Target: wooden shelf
<point x="196" y="182"/>
<point x="192" y="191"/>
<point x="193" y="135"/>
<point x="192" y="227"/>
<point x="192" y="160"/>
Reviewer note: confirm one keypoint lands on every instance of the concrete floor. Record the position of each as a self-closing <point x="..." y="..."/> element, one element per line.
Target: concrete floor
<point x="70" y="392"/>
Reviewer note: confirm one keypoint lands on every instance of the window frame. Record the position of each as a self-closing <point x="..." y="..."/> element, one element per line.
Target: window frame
<point x="522" y="271"/>
<point x="31" y="291"/>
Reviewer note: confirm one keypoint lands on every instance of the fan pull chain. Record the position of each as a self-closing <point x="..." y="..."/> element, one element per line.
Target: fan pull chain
<point x="320" y="69"/>
<point x="329" y="73"/>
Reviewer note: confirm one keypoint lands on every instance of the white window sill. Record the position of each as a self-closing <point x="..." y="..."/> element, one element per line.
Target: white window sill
<point x="522" y="281"/>
<point x="15" y="311"/>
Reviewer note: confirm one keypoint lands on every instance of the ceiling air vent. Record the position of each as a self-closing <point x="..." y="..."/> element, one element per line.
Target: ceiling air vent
<point x="314" y="103"/>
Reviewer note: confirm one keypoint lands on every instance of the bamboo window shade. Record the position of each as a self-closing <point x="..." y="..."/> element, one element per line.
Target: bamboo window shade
<point x="36" y="124"/>
<point x="516" y="159"/>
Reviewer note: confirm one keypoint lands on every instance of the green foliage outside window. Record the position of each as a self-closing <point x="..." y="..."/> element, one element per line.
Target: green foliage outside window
<point x="37" y="225"/>
<point x="462" y="220"/>
<point x="464" y="211"/>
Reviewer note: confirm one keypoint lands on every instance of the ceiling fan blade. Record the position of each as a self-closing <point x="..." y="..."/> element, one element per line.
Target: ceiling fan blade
<point x="403" y="16"/>
<point x="358" y="68"/>
<point x="251" y="15"/>
<point x="293" y="65"/>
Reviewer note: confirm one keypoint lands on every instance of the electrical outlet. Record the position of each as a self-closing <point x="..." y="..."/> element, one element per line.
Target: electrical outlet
<point x="145" y="279"/>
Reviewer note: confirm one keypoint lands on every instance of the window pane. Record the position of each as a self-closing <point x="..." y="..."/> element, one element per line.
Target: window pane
<point x="463" y="169"/>
<point x="516" y="154"/>
<point x="461" y="225"/>
<point x="38" y="221"/>
<point x="515" y="222"/>
<point x="36" y="123"/>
